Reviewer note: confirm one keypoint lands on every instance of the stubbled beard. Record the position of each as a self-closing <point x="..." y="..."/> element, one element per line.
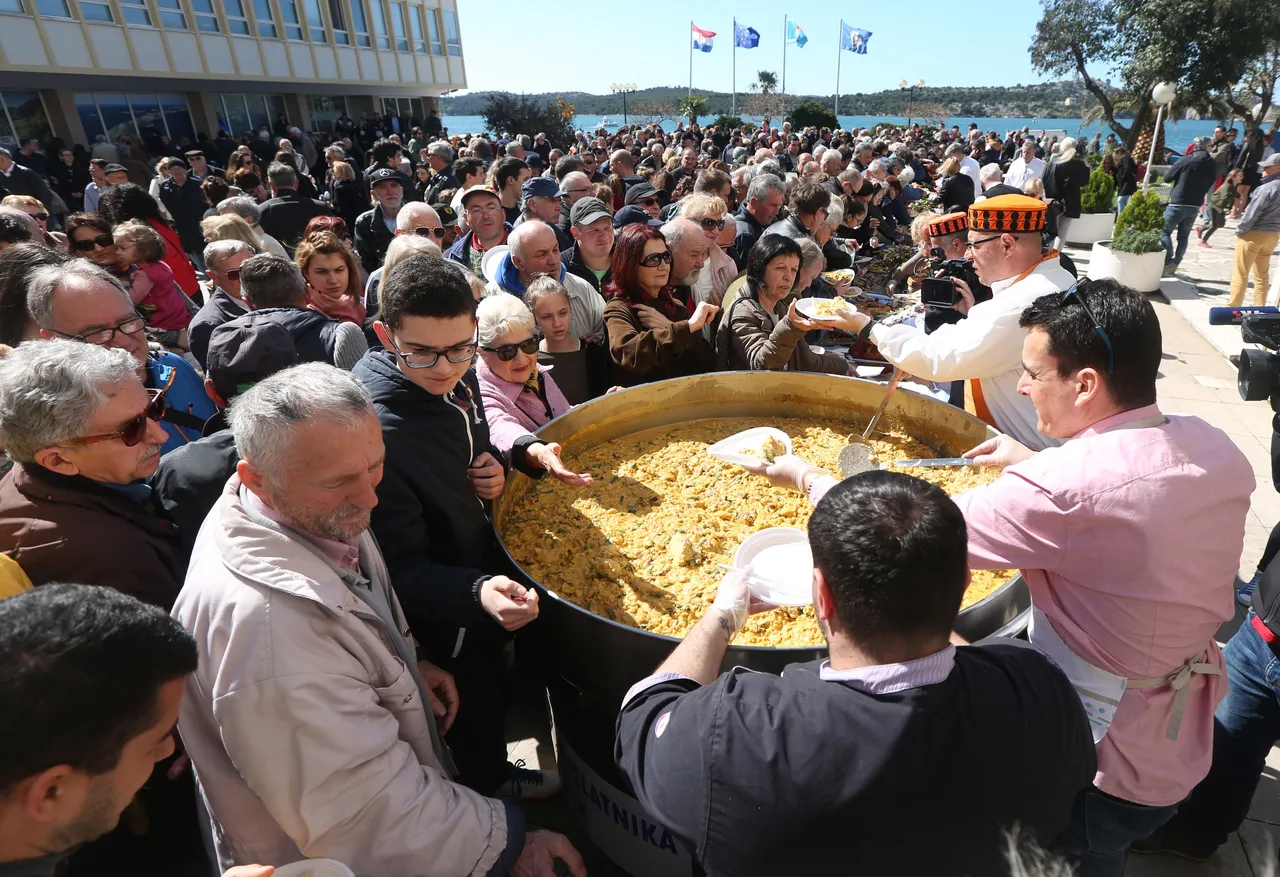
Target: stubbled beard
<point x="345" y="522"/>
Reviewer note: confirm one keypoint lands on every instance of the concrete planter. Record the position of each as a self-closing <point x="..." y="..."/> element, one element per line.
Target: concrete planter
<point x="1140" y="271"/>
<point x="1087" y="228"/>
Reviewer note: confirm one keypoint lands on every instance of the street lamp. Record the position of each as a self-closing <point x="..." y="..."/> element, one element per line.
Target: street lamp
<point x="911" y="98"/>
<point x="623" y="88"/>
<point x="1163" y="94"/>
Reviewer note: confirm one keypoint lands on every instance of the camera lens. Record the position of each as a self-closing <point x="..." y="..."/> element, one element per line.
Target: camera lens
<point x="1259" y="374"/>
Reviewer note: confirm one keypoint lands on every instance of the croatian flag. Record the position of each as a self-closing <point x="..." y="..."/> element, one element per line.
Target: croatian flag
<point x="795" y="34"/>
<point x="854" y="39"/>
<point x="702" y="39"/>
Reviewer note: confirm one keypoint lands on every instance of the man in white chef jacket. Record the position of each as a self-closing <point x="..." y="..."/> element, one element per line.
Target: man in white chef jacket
<point x="986" y="347"/>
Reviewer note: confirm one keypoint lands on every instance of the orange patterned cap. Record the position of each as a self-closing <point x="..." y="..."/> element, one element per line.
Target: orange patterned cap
<point x="952" y="223"/>
<point x="1008" y="213"/>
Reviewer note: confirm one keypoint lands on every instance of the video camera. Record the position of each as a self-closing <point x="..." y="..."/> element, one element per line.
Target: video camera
<point x="938" y="289"/>
<point x="1258" y="377"/>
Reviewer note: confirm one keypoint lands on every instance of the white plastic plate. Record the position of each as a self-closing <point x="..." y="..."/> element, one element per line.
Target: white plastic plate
<point x="781" y="565"/>
<point x="806" y="306"/>
<point x="314" y="868"/>
<point x="729" y="449"/>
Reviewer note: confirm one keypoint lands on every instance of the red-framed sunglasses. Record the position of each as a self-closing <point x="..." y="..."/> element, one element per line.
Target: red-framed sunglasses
<point x="133" y="432"/>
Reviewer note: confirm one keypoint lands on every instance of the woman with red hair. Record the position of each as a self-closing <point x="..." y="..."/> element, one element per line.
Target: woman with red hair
<point x="652" y="337"/>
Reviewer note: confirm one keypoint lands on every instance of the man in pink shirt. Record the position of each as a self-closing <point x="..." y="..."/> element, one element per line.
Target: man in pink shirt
<point x="1129" y="536"/>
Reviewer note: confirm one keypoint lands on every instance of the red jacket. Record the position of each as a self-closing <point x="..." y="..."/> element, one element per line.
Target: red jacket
<point x="176" y="259"/>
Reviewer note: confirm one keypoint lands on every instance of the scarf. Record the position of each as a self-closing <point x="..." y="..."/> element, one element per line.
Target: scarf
<point x="666" y="303"/>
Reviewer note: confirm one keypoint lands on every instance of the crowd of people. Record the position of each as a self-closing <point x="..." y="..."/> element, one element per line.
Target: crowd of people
<point x="257" y="407"/>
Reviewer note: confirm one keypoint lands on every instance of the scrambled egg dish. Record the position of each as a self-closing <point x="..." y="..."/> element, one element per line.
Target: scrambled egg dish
<point x="830" y="307"/>
<point x="640" y="545"/>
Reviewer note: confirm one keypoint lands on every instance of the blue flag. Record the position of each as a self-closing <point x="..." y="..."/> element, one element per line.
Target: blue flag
<point x="795" y="34"/>
<point x="854" y="39"/>
<point x="745" y="37"/>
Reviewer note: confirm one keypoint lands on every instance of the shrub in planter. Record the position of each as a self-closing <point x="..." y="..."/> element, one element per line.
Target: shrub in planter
<point x="1144" y="212"/>
<point x="1133" y="241"/>
<point x="1093" y="160"/>
<point x="1099" y="194"/>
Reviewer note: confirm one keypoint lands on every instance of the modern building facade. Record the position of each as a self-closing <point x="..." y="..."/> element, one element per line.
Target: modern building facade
<point x="75" y="69"/>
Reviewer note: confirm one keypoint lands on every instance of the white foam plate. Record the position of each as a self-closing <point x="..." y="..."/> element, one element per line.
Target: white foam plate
<point x="314" y="868"/>
<point x="728" y="449"/>
<point x="781" y="565"/>
<point x="806" y="307"/>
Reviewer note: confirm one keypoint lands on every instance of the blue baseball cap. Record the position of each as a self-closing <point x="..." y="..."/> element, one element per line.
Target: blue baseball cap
<point x="540" y="187"/>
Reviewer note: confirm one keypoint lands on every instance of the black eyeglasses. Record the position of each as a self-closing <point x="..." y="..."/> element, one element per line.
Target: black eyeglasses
<point x="81" y="245"/>
<point x="132" y="326"/>
<point x="422" y="231"/>
<point x="1075" y="293"/>
<point x="427" y="358"/>
<point x="712" y="224"/>
<point x="973" y="245"/>
<point x="133" y="432"/>
<point x="653" y="260"/>
<point x="507" y="352"/>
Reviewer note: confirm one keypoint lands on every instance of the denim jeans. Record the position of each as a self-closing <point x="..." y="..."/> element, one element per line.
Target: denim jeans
<point x="1181" y="220"/>
<point x="1103" y="828"/>
<point x="1121" y="201"/>
<point x="1245" y="726"/>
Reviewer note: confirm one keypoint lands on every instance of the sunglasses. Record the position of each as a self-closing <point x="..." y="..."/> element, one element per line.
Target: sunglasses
<point x="132" y="432"/>
<point x="507" y="352"/>
<point x="653" y="260"/>
<point x="422" y="231"/>
<point x="649" y="202"/>
<point x="42" y="217"/>
<point x="233" y="274"/>
<point x="83" y="246"/>
<point x="1077" y="295"/>
<point x="711" y="224"/>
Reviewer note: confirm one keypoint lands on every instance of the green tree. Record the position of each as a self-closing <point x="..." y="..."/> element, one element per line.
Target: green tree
<point x="1144" y="212"/>
<point x="529" y="115"/>
<point x="812" y="113"/>
<point x="731" y="123"/>
<point x="693" y="106"/>
<point x="766" y="82"/>
<point x="1099" y="194"/>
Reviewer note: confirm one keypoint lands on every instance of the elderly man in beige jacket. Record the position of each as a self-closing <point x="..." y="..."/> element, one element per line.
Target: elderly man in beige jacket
<point x="307" y="721"/>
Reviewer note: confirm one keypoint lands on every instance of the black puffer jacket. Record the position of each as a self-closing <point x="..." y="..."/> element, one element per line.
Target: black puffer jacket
<point x="434" y="531"/>
<point x="1192" y="177"/>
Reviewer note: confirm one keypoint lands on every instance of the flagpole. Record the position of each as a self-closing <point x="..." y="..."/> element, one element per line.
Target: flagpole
<point x="839" y="53"/>
<point x="733" y="104"/>
<point x="785" y="18"/>
<point x="691" y="57"/>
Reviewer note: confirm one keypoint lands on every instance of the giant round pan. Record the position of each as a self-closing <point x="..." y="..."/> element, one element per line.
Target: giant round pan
<point x="596" y="654"/>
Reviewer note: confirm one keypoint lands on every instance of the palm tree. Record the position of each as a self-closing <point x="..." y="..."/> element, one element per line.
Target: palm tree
<point x="693" y="106"/>
<point x="766" y="82"/>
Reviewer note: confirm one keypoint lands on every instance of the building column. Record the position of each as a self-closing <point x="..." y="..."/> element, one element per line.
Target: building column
<point x="204" y="115"/>
<point x="296" y="107"/>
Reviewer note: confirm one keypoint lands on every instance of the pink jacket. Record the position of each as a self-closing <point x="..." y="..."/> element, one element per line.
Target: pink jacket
<point x="513" y="410"/>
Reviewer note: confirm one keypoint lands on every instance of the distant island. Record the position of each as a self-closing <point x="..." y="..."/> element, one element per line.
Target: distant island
<point x="1046" y="100"/>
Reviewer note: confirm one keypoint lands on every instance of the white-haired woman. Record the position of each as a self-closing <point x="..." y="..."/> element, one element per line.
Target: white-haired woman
<point x="519" y="395"/>
<point x="710" y="212"/>
<point x="1063" y="180"/>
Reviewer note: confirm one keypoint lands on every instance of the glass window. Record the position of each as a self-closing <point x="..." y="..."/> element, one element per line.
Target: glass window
<point x="93" y="11"/>
<point x="276" y="108"/>
<point x="415" y="22"/>
<point x="265" y="18"/>
<point x="315" y="21"/>
<point x="397" y="24"/>
<point x="325" y="111"/>
<point x="206" y="18"/>
<point x="136" y="12"/>
<point x="433" y="31"/>
<point x="53" y="8"/>
<point x="235" y="117"/>
<point x="292" y="23"/>
<point x="360" y="21"/>
<point x="177" y="117"/>
<point x="259" y="115"/>
<point x="116" y="117"/>
<point x="150" y="121"/>
<point x="87" y="108"/>
<point x="451" y="33"/>
<point x="171" y="14"/>
<point x="237" y="21"/>
<point x="338" y="17"/>
<point x="380" y="24"/>
<point x="418" y="115"/>
<point x="26" y="111"/>
<point x="11" y="6"/>
<point x="6" y="135"/>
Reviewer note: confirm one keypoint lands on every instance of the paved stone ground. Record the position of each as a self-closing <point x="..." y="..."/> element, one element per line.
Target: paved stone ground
<point x="1195" y="378"/>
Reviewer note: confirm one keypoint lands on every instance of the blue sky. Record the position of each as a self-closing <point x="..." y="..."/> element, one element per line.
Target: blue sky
<point x="585" y="45"/>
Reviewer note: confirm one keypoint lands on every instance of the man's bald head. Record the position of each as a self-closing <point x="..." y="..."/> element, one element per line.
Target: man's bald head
<point x="534" y="250"/>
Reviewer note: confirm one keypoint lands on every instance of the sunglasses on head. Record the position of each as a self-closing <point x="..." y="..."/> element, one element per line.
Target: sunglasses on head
<point x="1076" y="294"/>
<point x="507" y="352"/>
<point x="653" y="260"/>
<point x="132" y="432"/>
<point x="83" y="246"/>
<point x="422" y="231"/>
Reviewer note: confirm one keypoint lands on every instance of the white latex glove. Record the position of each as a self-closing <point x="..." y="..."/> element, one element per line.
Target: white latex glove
<point x="787" y="470"/>
<point x="734" y="597"/>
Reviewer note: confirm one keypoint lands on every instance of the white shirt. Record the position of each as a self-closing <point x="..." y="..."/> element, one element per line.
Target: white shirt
<point x="971" y="169"/>
<point x="1020" y="171"/>
<point x="987" y="345"/>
